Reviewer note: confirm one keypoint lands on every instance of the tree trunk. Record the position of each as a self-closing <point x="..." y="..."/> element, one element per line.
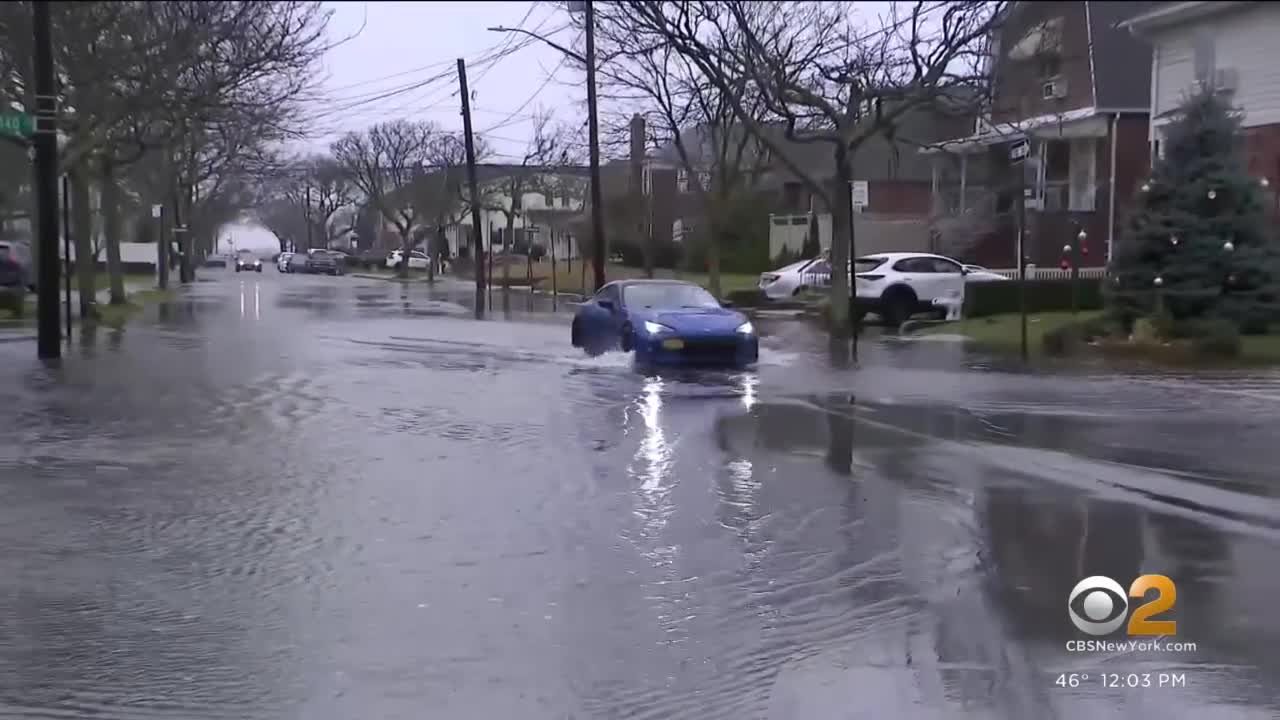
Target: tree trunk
<point x="713" y="258"/>
<point x="406" y="249"/>
<point x="508" y="239"/>
<point x="841" y="244"/>
<point x="82" y="229"/>
<point x="110" y="199"/>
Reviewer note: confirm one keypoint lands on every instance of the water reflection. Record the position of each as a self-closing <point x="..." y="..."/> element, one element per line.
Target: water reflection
<point x="651" y="465"/>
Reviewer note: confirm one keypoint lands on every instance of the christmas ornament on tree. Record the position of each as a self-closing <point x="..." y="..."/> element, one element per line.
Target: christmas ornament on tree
<point x="1199" y="228"/>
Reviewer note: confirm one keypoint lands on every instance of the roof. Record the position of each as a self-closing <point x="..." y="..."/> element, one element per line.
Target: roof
<point x="1121" y="64"/>
<point x="1164" y="14"/>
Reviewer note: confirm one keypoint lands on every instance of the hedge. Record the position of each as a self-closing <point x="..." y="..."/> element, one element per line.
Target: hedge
<point x="997" y="297"/>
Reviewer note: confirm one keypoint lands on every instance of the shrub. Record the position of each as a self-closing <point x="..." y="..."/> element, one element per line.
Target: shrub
<point x="1070" y="337"/>
<point x="999" y="297"/>
<point x="14" y="301"/>
<point x="1213" y="337"/>
<point x="744" y="298"/>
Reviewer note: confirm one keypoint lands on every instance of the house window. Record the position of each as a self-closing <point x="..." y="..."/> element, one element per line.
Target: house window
<point x="682" y="181"/>
<point x="1204" y="57"/>
<point x="1070" y="178"/>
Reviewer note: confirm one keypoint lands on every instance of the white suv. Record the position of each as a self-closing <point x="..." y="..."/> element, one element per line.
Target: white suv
<point x="896" y="286"/>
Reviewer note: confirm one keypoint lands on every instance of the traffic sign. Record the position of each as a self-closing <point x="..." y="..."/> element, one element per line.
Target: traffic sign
<point x="17" y="124"/>
<point x="1019" y="151"/>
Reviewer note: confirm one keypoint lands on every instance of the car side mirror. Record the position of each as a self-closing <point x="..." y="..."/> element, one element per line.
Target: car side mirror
<point x="726" y="303"/>
<point x="606" y="304"/>
<point x="965" y="271"/>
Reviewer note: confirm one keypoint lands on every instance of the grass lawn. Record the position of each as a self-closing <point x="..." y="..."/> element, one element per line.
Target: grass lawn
<point x="102" y="281"/>
<point x="1003" y="333"/>
<point x="117" y="315"/>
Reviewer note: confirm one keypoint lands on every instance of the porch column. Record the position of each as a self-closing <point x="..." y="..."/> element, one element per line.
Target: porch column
<point x="964" y="179"/>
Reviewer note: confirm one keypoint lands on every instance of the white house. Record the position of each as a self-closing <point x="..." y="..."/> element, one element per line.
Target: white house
<point x="1230" y="46"/>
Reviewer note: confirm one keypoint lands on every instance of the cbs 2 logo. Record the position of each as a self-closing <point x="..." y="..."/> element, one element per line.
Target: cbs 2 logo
<point x="1098" y="605"/>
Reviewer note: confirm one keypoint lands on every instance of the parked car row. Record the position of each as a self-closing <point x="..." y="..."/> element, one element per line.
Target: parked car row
<point x="17" y="268"/>
<point x="894" y="286"/>
<point x="313" y="262"/>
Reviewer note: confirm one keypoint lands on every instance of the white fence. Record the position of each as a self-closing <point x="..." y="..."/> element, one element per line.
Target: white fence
<point x="1039" y="273"/>
<point x="874" y="233"/>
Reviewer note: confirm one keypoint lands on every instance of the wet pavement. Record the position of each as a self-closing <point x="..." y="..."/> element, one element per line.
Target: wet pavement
<point x="313" y="497"/>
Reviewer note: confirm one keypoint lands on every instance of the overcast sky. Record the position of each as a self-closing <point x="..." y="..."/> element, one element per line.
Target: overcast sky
<point x="400" y="45"/>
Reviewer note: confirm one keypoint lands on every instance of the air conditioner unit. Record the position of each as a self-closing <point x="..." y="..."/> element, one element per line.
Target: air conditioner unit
<point x="1054" y="89"/>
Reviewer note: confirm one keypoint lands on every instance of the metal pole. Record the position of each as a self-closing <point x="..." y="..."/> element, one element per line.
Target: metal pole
<point x="49" y="322"/>
<point x="66" y="249"/>
<point x="597" y="209"/>
<point x="1020" y="212"/>
<point x="306" y="217"/>
<point x="473" y="183"/>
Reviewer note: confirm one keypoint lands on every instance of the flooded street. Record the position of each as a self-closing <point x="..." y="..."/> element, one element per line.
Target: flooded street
<point x="289" y="496"/>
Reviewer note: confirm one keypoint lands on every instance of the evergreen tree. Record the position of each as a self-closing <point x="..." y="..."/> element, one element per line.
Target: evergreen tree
<point x="1197" y="247"/>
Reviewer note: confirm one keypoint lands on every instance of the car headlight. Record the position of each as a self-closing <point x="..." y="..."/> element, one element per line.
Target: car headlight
<point x="746" y="328"/>
<point x="654" y="328"/>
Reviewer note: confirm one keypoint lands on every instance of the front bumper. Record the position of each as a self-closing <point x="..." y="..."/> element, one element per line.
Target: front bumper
<point x="732" y="350"/>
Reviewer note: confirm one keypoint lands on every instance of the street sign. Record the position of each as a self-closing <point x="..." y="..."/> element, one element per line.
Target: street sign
<point x="17" y="124"/>
<point x="861" y="193"/>
<point x="157" y="211"/>
<point x="1019" y="151"/>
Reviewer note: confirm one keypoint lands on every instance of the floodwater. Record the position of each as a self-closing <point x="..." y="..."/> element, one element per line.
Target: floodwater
<point x="312" y="497"/>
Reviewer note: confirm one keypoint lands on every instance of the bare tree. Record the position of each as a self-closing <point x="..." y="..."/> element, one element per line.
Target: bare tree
<point x="826" y="79"/>
<point x="545" y="148"/>
<point x="382" y="163"/>
<point x="691" y="121"/>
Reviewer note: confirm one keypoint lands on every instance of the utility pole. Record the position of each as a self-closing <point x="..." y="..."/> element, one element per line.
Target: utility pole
<point x="49" y="327"/>
<point x="66" y="248"/>
<point x="162" y="249"/>
<point x="474" y="185"/>
<point x="180" y="233"/>
<point x="597" y="211"/>
<point x="637" y="191"/>
<point x="306" y="215"/>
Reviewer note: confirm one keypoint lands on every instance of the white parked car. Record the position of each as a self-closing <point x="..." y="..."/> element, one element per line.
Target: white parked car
<point x="896" y="286"/>
<point x="977" y="273"/>
<point x="418" y="260"/>
<point x="795" y="279"/>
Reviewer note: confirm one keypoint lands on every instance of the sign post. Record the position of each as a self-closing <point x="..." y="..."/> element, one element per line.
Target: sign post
<point x="1018" y="153"/>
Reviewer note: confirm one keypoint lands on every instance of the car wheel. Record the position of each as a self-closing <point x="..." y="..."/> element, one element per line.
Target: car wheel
<point x="627" y="341"/>
<point x="258" y="269"/>
<point x="575" y="334"/>
<point x="800" y="291"/>
<point x="897" y="305"/>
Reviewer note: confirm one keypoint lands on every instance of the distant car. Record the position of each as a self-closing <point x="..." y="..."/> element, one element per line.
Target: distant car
<point x="282" y="261"/>
<point x="665" y="322"/>
<point x="246" y="261"/>
<point x="323" y="262"/>
<point x="795" y="279"/>
<point x="977" y="273"/>
<point x="297" y="263"/>
<point x="17" y="266"/>
<point x="418" y="260"/>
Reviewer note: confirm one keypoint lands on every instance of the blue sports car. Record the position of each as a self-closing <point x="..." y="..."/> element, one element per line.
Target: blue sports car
<point x="666" y="322"/>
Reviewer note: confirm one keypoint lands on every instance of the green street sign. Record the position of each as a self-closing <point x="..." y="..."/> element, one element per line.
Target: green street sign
<point x="17" y="124"/>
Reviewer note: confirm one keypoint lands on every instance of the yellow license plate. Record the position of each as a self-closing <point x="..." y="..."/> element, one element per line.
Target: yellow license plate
<point x="672" y="344"/>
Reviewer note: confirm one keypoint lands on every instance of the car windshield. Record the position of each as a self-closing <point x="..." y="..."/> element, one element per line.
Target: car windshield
<point x="667" y="296"/>
<point x="867" y="264"/>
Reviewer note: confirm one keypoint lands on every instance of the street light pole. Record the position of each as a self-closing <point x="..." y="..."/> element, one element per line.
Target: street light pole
<point x="49" y="330"/>
<point x="593" y="128"/>
<point x="597" y="211"/>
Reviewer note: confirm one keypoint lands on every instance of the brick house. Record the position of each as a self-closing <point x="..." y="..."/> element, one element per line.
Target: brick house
<point x="1230" y="45"/>
<point x="1075" y="86"/>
